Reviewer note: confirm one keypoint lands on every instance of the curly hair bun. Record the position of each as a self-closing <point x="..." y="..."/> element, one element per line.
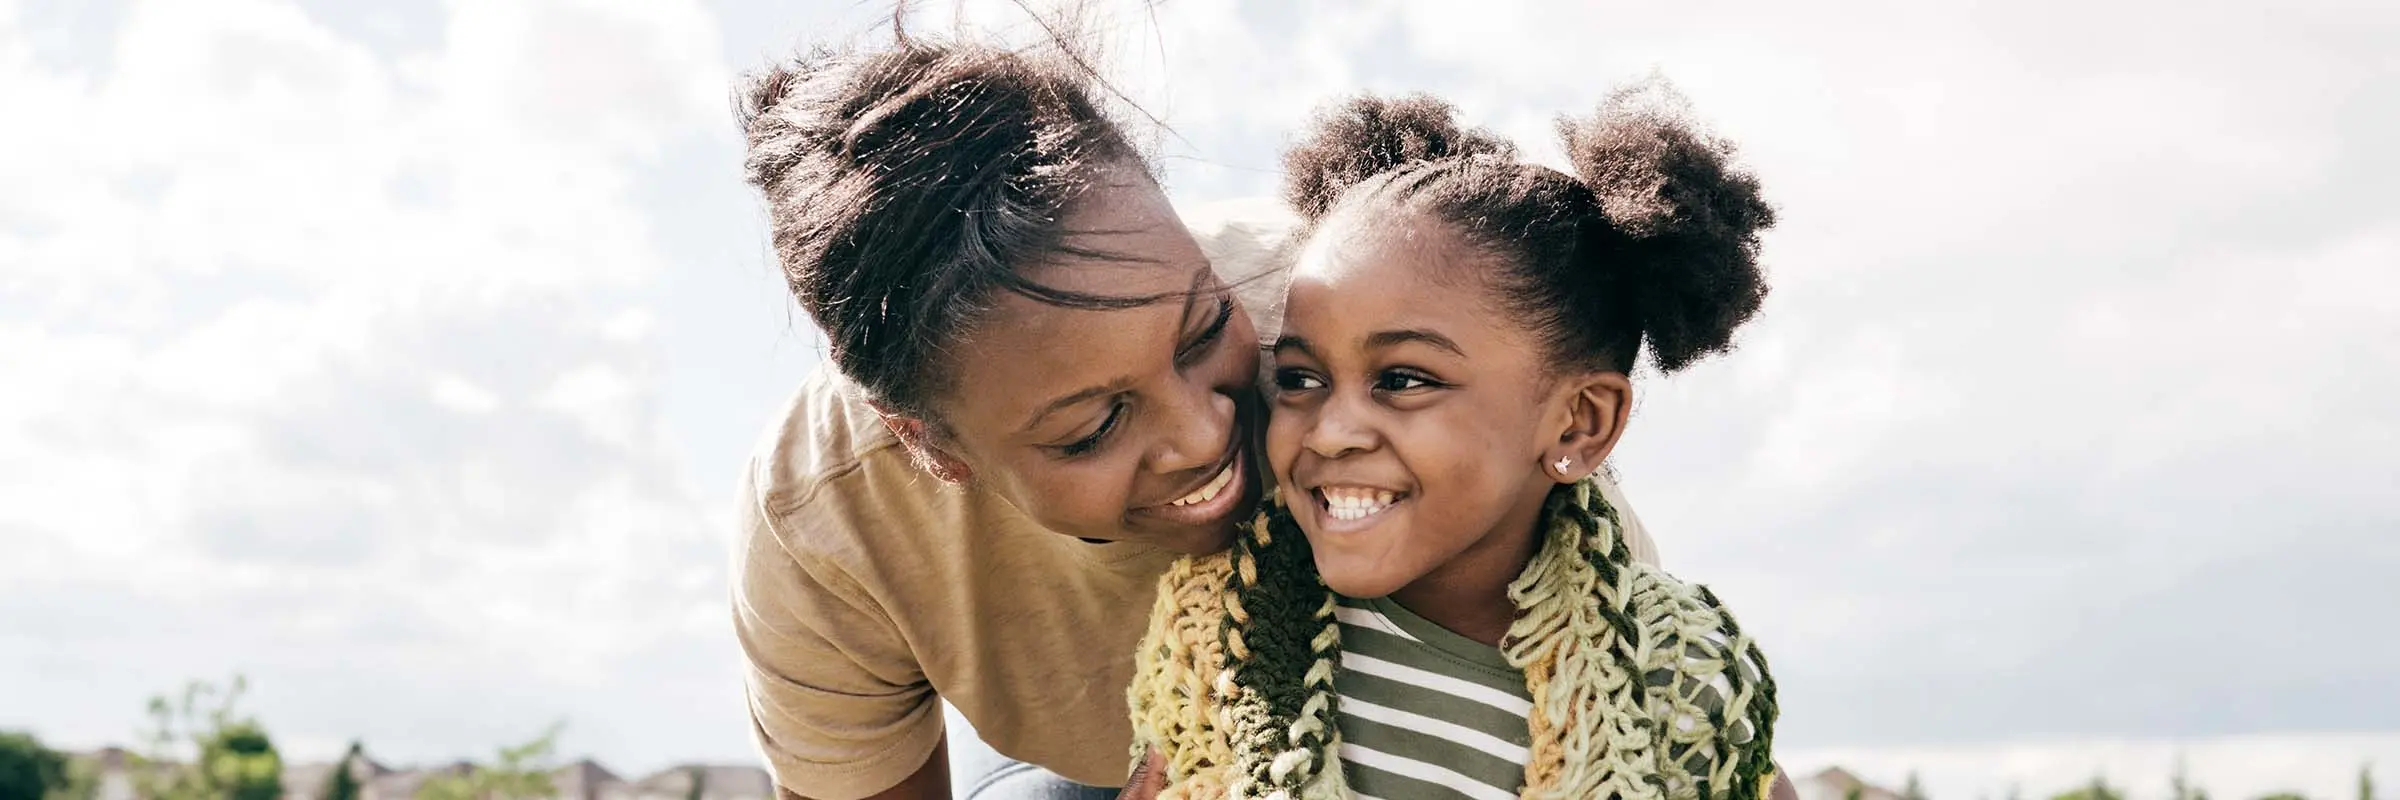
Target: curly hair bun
<point x="1692" y="218"/>
<point x="1367" y="136"/>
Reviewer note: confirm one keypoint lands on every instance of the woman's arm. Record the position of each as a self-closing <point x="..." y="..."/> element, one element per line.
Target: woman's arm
<point x="931" y="781"/>
<point x="838" y="702"/>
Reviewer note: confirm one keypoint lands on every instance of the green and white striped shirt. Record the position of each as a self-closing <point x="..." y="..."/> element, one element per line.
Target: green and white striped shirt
<point x="1426" y="714"/>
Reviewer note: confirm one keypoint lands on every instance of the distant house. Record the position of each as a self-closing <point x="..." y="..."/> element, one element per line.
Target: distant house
<point x="116" y="773"/>
<point x="403" y="784"/>
<point x="717" y="782"/>
<point x="587" y="780"/>
<point x="583" y="779"/>
<point x="1835" y="783"/>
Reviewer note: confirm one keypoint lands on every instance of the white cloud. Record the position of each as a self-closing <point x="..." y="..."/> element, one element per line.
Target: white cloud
<point x="463" y="396"/>
<point x="333" y="369"/>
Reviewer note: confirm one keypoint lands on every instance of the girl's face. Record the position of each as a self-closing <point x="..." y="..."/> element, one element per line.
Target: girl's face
<point x="1411" y="416"/>
<point x="1133" y="424"/>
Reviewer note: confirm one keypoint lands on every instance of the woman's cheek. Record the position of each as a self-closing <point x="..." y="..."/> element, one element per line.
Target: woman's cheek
<point x="1079" y="498"/>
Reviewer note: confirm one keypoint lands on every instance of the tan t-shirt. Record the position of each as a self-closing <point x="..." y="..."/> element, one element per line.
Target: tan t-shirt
<point x="866" y="592"/>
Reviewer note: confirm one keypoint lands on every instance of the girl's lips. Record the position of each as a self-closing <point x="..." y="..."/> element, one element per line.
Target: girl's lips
<point x="1352" y="509"/>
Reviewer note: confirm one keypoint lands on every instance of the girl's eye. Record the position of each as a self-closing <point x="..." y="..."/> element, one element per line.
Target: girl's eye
<point x="1296" y="380"/>
<point x="1092" y="442"/>
<point x="1398" y="381"/>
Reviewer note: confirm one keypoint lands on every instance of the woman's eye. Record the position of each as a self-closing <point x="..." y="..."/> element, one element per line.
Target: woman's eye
<point x="1208" y="336"/>
<point x="1293" y="380"/>
<point x="1092" y="442"/>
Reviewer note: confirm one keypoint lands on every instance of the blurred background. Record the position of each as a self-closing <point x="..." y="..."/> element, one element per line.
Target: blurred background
<point x="401" y="357"/>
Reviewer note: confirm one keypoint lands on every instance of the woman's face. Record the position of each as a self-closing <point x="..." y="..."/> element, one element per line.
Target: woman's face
<point x="1133" y="424"/>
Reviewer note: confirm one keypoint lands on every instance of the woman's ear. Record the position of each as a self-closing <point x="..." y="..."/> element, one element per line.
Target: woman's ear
<point x="1592" y="409"/>
<point x="924" y="446"/>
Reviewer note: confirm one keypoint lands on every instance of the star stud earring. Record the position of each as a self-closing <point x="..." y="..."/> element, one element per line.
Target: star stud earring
<point x="1562" y="464"/>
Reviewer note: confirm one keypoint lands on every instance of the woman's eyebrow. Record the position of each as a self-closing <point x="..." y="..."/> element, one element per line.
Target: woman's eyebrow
<point x="1290" y="342"/>
<point x="1079" y="396"/>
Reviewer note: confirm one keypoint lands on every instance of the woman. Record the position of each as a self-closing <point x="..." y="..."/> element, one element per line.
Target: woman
<point x="1042" y="394"/>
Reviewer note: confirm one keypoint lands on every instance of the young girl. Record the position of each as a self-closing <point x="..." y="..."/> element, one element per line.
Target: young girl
<point x="1437" y="602"/>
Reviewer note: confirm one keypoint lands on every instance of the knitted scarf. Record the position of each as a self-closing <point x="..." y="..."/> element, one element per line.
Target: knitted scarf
<point x="1643" y="687"/>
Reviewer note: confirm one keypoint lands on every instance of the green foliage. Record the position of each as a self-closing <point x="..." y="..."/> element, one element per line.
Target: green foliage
<point x="233" y="757"/>
<point x="29" y="771"/>
<point x="699" y="783"/>
<point x="342" y="785"/>
<point x="1913" y="790"/>
<point x="2366" y="782"/>
<point x="2098" y="789"/>
<point x="83" y="780"/>
<point x="2285" y="796"/>
<point x="522" y="772"/>
<point x="1854" y="793"/>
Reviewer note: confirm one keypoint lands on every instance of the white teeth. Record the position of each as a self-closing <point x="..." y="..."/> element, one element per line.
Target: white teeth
<point x="1208" y="492"/>
<point x="1343" y="503"/>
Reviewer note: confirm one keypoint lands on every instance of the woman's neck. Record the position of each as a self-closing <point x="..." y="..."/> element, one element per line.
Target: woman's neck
<point x="1468" y="595"/>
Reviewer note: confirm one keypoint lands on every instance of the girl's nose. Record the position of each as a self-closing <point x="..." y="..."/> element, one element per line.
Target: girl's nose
<point x="1335" y="429"/>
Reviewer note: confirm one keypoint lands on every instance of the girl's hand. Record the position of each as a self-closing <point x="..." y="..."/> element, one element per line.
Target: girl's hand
<point x="1147" y="780"/>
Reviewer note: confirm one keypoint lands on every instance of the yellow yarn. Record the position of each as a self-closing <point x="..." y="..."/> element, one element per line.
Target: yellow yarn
<point x="1179" y="667"/>
<point x="1643" y="687"/>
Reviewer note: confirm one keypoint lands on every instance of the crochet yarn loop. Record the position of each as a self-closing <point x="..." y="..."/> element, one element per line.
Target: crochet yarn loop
<point x="1643" y="686"/>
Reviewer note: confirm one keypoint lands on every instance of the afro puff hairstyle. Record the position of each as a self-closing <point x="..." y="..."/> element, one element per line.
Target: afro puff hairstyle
<point x="1654" y="239"/>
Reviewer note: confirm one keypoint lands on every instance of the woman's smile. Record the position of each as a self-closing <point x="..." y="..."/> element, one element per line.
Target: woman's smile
<point x="1222" y="495"/>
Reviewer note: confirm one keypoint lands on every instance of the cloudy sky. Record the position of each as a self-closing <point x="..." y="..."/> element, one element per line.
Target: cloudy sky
<point x="403" y="359"/>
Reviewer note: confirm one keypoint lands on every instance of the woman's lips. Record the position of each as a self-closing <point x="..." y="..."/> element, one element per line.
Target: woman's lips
<point x="1213" y="501"/>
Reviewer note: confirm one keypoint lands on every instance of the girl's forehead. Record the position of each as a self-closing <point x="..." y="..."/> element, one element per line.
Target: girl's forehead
<point x="1369" y="280"/>
<point x="1349" y="285"/>
<point x="1379" y="250"/>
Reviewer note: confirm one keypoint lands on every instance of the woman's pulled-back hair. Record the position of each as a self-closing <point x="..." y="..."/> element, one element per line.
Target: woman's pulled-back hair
<point x="1655" y="239"/>
<point x="906" y="185"/>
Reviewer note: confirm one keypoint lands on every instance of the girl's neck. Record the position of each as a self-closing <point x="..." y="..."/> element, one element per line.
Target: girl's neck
<point x="1468" y="595"/>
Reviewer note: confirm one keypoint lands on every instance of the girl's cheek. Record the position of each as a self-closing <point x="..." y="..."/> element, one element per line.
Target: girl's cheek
<point x="1283" y="440"/>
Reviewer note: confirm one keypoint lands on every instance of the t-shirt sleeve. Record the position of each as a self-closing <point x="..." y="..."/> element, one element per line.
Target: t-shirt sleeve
<point x="837" y="701"/>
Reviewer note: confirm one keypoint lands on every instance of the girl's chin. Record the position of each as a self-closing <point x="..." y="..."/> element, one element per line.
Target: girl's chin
<point x="1360" y="583"/>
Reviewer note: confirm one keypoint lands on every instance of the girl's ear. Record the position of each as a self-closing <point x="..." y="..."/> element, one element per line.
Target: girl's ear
<point x="924" y="446"/>
<point x="1592" y="409"/>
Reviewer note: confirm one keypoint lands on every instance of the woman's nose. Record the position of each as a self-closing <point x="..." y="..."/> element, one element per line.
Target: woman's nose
<point x="1202" y="428"/>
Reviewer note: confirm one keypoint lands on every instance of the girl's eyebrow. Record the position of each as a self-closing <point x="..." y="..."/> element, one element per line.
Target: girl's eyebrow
<point x="1290" y="342"/>
<point x="1382" y="339"/>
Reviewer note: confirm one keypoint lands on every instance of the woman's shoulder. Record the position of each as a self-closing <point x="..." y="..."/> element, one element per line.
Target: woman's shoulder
<point x="828" y="481"/>
<point x="823" y="431"/>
